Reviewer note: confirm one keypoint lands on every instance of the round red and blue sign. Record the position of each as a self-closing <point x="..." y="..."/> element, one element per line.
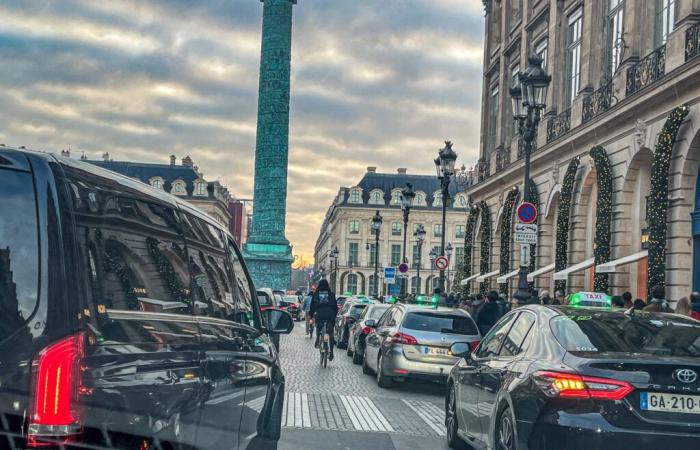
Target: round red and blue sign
<point x="403" y="268"/>
<point x="527" y="212"/>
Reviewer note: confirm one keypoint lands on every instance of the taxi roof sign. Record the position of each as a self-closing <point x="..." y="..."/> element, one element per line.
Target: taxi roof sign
<point x="591" y="300"/>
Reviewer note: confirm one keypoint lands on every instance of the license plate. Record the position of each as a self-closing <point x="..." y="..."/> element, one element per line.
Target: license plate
<point x="434" y="351"/>
<point x="652" y="401"/>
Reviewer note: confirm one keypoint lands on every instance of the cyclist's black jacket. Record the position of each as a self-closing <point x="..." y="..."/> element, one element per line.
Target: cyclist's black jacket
<point x="324" y="306"/>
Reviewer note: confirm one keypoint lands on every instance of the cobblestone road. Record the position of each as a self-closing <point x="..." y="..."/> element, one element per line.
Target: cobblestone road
<point x="343" y="401"/>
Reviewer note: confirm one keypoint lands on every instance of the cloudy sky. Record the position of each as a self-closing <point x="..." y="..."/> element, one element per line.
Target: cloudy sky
<point x="374" y="83"/>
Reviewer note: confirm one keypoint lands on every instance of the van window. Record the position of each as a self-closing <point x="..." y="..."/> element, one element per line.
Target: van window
<point x="19" y="252"/>
<point x="243" y="298"/>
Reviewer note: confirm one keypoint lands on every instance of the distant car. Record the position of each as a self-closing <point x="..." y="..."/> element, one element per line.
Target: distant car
<point x="290" y="303"/>
<point x="346" y="317"/>
<point x="413" y="341"/>
<point x="554" y="377"/>
<point x="340" y="301"/>
<point x="360" y="330"/>
<point x="266" y="298"/>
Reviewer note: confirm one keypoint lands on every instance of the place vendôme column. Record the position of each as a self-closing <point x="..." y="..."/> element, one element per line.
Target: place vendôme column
<point x="267" y="251"/>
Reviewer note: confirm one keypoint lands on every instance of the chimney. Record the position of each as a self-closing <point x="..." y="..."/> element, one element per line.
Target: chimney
<point x="401" y="170"/>
<point x="172" y="160"/>
<point x="371" y="169"/>
<point x="105" y="156"/>
<point x="187" y="161"/>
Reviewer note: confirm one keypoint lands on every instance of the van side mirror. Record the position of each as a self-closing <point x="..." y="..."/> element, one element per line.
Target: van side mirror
<point x="371" y="323"/>
<point x="461" y="350"/>
<point x="278" y="321"/>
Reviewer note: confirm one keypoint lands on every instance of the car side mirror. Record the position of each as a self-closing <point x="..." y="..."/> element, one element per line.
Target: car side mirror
<point x="461" y="350"/>
<point x="371" y="323"/>
<point x="278" y="321"/>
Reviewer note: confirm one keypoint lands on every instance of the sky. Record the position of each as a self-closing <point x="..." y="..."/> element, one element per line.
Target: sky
<point x="374" y="83"/>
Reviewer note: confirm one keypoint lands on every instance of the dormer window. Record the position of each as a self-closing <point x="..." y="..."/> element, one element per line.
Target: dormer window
<point x="461" y="201"/>
<point x="200" y="188"/>
<point x="437" y="198"/>
<point x="396" y="197"/>
<point x="178" y="188"/>
<point x="419" y="200"/>
<point x="156" y="182"/>
<point x="355" y="196"/>
<point x="376" y="197"/>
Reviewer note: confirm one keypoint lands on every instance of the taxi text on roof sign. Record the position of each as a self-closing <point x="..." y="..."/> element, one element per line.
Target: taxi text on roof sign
<point x="591" y="299"/>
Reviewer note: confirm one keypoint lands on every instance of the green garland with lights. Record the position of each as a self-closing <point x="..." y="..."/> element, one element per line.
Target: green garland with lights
<point x="658" y="197"/>
<point x="165" y="270"/>
<point x="533" y="197"/>
<point x="485" y="243"/>
<point x="506" y="224"/>
<point x="601" y="247"/>
<point x="562" y="257"/>
<point x="466" y="266"/>
<point x="114" y="263"/>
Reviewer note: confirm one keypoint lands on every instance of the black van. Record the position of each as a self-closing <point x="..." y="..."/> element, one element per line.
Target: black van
<point x="127" y="318"/>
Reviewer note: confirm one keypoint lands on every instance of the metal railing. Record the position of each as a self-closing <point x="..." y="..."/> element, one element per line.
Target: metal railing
<point x="599" y="101"/>
<point x="692" y="42"/>
<point x="559" y="125"/>
<point x="647" y="71"/>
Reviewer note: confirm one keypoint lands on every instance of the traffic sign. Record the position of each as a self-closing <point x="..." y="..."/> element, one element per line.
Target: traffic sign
<point x="389" y="275"/>
<point x="442" y="262"/>
<point x="525" y="233"/>
<point x="527" y="212"/>
<point x="524" y="254"/>
<point x="403" y="267"/>
<point x="522" y="238"/>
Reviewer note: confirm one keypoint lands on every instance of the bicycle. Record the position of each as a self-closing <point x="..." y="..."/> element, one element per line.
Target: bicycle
<point x="325" y="345"/>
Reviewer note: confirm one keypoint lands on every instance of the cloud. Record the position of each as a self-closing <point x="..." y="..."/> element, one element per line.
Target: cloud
<point x="373" y="84"/>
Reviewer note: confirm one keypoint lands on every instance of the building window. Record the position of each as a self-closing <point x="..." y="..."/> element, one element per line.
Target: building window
<point x="371" y="283"/>
<point x="354" y="226"/>
<point x="493" y="119"/>
<point x="353" y="254"/>
<point x="461" y="201"/>
<point x="510" y="123"/>
<point x="573" y="56"/>
<point x="615" y="28"/>
<point x="352" y="284"/>
<point x="437" y="230"/>
<point x="418" y="200"/>
<point x="396" y="198"/>
<point x="395" y="254"/>
<point x="437" y="198"/>
<point x="460" y="231"/>
<point x="665" y="18"/>
<point x="416" y="226"/>
<point x="355" y="196"/>
<point x="179" y="188"/>
<point x="396" y="228"/>
<point x="200" y="188"/>
<point x="541" y="51"/>
<point x="377" y="198"/>
<point x="156" y="183"/>
<point x="459" y="256"/>
<point x="372" y="254"/>
<point x="414" y="285"/>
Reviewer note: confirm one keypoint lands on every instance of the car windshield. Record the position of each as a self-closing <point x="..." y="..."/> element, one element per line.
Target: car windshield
<point x="440" y="323"/>
<point x="641" y="333"/>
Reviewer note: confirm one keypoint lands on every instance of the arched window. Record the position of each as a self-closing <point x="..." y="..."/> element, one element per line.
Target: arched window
<point x="461" y="201"/>
<point x="437" y="198"/>
<point x="396" y="197"/>
<point x="376" y="197"/>
<point x="352" y="283"/>
<point x="178" y="187"/>
<point x="156" y="182"/>
<point x="355" y="196"/>
<point x="436" y="283"/>
<point x="419" y="199"/>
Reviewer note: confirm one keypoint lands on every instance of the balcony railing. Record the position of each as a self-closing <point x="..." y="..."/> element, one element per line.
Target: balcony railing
<point x="692" y="42"/>
<point x="598" y="102"/>
<point x="647" y="71"/>
<point x="559" y="125"/>
<point x="483" y="169"/>
<point x="502" y="159"/>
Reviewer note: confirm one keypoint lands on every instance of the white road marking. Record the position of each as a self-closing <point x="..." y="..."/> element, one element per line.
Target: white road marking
<point x="364" y="414"/>
<point x="430" y="413"/>
<point x="296" y="412"/>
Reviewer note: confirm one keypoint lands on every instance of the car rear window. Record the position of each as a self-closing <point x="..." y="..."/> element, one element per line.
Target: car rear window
<point x="264" y="300"/>
<point x="650" y="334"/>
<point x="356" y="310"/>
<point x="440" y="323"/>
<point x="376" y="312"/>
<point x="19" y="251"/>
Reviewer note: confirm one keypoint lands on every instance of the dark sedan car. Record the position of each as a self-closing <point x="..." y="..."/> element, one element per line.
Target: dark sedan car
<point x="360" y="329"/>
<point x="346" y="317"/>
<point x="549" y="378"/>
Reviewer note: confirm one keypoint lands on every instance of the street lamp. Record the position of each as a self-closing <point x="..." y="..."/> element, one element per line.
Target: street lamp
<point x="445" y="168"/>
<point x="448" y="252"/>
<point x="529" y="96"/>
<point x="333" y="254"/>
<point x="419" y="234"/>
<point x="407" y="196"/>
<point x="376" y="229"/>
<point x="433" y="257"/>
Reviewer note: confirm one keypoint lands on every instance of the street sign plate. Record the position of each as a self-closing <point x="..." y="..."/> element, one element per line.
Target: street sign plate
<point x="442" y="262"/>
<point x="525" y="238"/>
<point x="403" y="267"/>
<point x="527" y="212"/>
<point x="389" y="275"/>
<point x="525" y="228"/>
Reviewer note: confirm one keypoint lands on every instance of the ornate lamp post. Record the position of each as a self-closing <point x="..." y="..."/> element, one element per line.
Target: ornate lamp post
<point x="529" y="96"/>
<point x="333" y="254"/>
<point x="407" y="196"/>
<point x="433" y="257"/>
<point x="448" y="252"/>
<point x="420" y="238"/>
<point x="445" y="167"/>
<point x="376" y="229"/>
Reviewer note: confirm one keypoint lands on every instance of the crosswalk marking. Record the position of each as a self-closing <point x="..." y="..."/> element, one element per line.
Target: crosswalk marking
<point x="364" y="414"/>
<point x="430" y="413"/>
<point x="296" y="413"/>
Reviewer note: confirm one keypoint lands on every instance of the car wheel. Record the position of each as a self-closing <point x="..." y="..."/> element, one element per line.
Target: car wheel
<point x="341" y="342"/>
<point x="505" y="431"/>
<point x="453" y="439"/>
<point x="383" y="381"/>
<point x="365" y="368"/>
<point x="349" y="350"/>
<point x="357" y="356"/>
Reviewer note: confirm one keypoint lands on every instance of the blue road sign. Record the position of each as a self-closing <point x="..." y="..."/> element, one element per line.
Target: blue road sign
<point x="389" y="272"/>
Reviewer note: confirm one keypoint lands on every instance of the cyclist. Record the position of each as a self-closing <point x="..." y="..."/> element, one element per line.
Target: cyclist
<point x="324" y="309"/>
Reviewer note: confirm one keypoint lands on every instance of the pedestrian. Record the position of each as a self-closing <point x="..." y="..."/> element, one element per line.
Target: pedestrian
<point x="695" y="305"/>
<point x="683" y="307"/>
<point x="639" y="304"/>
<point x="546" y="299"/>
<point x="618" y="302"/>
<point x="450" y="301"/>
<point x="489" y="313"/>
<point x="627" y="298"/>
<point x="658" y="301"/>
<point x="559" y="298"/>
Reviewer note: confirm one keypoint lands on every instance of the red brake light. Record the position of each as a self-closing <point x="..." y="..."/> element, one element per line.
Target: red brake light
<point x="366" y="330"/>
<point x="402" y="338"/>
<point x="473" y="345"/>
<point x="567" y="385"/>
<point x="56" y="386"/>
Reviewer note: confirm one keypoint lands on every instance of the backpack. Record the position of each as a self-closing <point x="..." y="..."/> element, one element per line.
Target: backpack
<point x="324" y="298"/>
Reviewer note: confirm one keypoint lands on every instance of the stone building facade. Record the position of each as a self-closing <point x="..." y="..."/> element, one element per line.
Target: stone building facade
<point x="620" y="69"/>
<point x="347" y="227"/>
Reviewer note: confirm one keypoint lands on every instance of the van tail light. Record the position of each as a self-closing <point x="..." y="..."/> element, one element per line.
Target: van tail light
<point x="473" y="345"/>
<point x="56" y="378"/>
<point x="402" y="338"/>
<point x="568" y="385"/>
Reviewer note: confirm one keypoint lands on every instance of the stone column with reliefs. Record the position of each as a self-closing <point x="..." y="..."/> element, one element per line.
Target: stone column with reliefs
<point x="267" y="250"/>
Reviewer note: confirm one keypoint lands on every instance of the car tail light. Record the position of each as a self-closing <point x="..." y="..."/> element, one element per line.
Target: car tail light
<point x="568" y="385"/>
<point x="366" y="330"/>
<point x="56" y="377"/>
<point x="402" y="338"/>
<point x="473" y="345"/>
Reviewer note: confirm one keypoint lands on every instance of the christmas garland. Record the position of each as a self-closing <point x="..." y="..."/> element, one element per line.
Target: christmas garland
<point x="658" y="197"/>
<point x="562" y="257"/>
<point x="506" y="228"/>
<point x="534" y="198"/>
<point x="601" y="248"/>
<point x="468" y="246"/>
<point x="485" y="243"/>
<point x="114" y="263"/>
<point x="166" y="270"/>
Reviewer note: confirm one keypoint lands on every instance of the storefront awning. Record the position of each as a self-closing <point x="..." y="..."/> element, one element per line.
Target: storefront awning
<point x="482" y="278"/>
<point x="541" y="271"/>
<point x="612" y="266"/>
<point x="564" y="274"/>
<point x="466" y="281"/>
<point x="506" y="277"/>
